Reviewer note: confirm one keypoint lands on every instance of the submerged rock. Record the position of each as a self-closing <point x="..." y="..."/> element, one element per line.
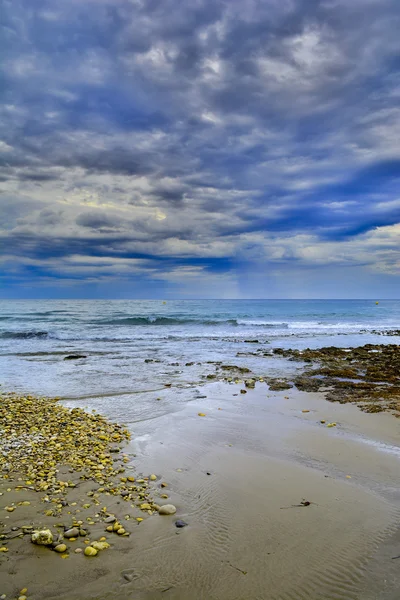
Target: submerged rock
<point x="74" y="356"/>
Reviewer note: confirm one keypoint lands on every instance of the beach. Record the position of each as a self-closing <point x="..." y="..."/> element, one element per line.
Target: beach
<point x="238" y="477"/>
<point x="279" y="492"/>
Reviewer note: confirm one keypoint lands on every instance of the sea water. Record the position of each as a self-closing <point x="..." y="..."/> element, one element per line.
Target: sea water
<point x="133" y="348"/>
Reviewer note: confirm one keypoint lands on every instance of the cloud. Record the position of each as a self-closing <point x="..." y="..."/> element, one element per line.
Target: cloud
<point x="246" y="134"/>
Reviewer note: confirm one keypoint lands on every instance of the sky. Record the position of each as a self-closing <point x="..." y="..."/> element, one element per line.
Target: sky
<point x="200" y="149"/>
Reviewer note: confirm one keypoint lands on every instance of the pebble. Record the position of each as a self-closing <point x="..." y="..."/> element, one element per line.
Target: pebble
<point x="100" y="545"/>
<point x="71" y="533"/>
<point x="167" y="509"/>
<point x="78" y="551"/>
<point x="90" y="551"/>
<point x="60" y="548"/>
<point x="180" y="523"/>
<point x="153" y="477"/>
<point x="110" y="519"/>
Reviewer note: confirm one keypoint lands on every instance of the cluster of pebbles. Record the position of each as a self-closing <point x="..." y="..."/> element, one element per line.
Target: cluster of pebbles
<point x="53" y="453"/>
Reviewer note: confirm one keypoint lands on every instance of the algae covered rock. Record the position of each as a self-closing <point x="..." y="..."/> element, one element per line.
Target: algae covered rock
<point x="42" y="537"/>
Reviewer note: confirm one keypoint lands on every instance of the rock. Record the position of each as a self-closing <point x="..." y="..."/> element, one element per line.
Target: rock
<point x="121" y="531"/>
<point x="243" y="391"/>
<point x="110" y="519"/>
<point x="74" y="356"/>
<point x="100" y="545"/>
<point x="167" y="509"/>
<point x="42" y="537"/>
<point x="90" y="551"/>
<point x="250" y="383"/>
<point x="153" y="477"/>
<point x="180" y="523"/>
<point x="60" y="548"/>
<point x="71" y="533"/>
<point x="78" y="551"/>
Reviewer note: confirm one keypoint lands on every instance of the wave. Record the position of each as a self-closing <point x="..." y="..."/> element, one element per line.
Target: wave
<point x="260" y="323"/>
<point x="150" y="320"/>
<point x="24" y="335"/>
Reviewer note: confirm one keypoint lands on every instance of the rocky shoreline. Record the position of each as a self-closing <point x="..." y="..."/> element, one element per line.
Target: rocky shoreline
<point x="368" y="376"/>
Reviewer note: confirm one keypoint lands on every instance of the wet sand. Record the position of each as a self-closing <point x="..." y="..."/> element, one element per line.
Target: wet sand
<point x="247" y="537"/>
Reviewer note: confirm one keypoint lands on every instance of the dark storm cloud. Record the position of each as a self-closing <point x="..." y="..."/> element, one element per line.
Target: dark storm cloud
<point x="201" y="129"/>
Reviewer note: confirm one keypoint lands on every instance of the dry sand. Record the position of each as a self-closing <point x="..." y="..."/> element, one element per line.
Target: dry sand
<point x="246" y="537"/>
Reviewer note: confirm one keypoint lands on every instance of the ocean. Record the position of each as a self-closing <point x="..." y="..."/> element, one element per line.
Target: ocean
<point x="133" y="348"/>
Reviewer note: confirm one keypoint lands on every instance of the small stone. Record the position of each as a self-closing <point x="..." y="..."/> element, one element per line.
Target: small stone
<point x="121" y="531"/>
<point x="90" y="551"/>
<point x="167" y="509"/>
<point x="243" y="391"/>
<point x="180" y="523"/>
<point x="100" y="545"/>
<point x="78" y="551"/>
<point x="153" y="477"/>
<point x="60" y="548"/>
<point x="71" y="533"/>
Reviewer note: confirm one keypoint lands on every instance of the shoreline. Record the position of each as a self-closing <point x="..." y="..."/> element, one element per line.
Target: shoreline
<point x="267" y="452"/>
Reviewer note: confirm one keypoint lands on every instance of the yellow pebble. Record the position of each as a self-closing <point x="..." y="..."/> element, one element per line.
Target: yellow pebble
<point x="103" y="539"/>
<point x="121" y="531"/>
<point x="3" y="549"/>
<point x="201" y="414"/>
<point x="60" y="548"/>
<point x="23" y="591"/>
<point x="131" y="479"/>
<point x="90" y="551"/>
<point x="153" y="477"/>
<point x="21" y="597"/>
<point x="139" y="519"/>
<point x="109" y="528"/>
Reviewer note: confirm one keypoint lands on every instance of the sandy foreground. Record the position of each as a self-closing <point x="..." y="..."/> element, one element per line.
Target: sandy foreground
<point x="238" y="477"/>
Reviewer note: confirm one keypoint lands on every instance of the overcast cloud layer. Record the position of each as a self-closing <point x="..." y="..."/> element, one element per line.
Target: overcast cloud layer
<point x="241" y="148"/>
